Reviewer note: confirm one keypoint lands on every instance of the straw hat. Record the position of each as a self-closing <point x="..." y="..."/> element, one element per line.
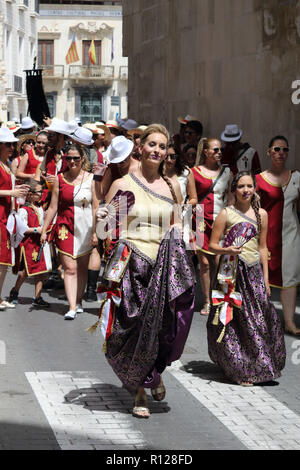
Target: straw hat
<point x="186" y="119"/>
<point x="113" y="124"/>
<point x="119" y="149"/>
<point x="23" y="139"/>
<point x="135" y="131"/>
<point x="12" y="126"/>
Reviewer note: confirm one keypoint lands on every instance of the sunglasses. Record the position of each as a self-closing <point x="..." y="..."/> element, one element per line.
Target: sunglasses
<point x="37" y="192"/>
<point x="173" y="156"/>
<point x="190" y="132"/>
<point x="284" y="149"/>
<point x="29" y="142"/>
<point x="216" y="150"/>
<point x="76" y="159"/>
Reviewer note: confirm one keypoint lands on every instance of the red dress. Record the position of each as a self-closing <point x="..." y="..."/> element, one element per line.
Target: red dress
<point x="74" y="224"/>
<point x="283" y="237"/>
<point x="213" y="203"/>
<point x="6" y="251"/>
<point x="32" y="163"/>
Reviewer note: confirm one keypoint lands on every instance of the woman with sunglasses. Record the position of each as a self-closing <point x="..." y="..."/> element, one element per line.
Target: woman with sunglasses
<point x="74" y="201"/>
<point x="7" y="193"/>
<point x="174" y="169"/>
<point x="33" y="157"/>
<point x="279" y="189"/>
<point x="212" y="184"/>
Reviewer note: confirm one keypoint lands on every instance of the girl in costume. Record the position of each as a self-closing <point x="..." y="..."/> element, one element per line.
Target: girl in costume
<point x="32" y="262"/>
<point x="245" y="336"/>
<point x="74" y="201"/>
<point x="156" y="292"/>
<point x="279" y="190"/>
<point x="212" y="185"/>
<point x="33" y="157"/>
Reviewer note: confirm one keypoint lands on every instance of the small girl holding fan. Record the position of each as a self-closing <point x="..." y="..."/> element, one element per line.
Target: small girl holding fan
<point x="245" y="335"/>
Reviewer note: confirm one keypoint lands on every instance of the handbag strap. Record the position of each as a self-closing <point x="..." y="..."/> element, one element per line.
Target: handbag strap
<point x="213" y="185"/>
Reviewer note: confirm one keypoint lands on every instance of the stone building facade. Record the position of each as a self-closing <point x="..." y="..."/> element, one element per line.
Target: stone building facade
<point x="224" y="61"/>
<point x="18" y="47"/>
<point x="81" y="89"/>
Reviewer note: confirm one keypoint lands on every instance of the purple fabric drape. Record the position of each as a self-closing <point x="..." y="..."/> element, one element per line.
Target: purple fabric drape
<point x="153" y="321"/>
<point x="253" y="348"/>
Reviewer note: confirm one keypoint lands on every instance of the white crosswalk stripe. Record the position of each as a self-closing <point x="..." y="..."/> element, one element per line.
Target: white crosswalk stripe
<point x="84" y="413"/>
<point x="256" y="418"/>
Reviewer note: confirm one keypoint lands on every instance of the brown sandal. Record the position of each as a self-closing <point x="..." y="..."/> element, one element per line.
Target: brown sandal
<point x="159" y="393"/>
<point x="140" y="409"/>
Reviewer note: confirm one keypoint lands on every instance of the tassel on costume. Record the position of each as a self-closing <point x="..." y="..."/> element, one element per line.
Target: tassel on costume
<point x="93" y="328"/>
<point x="216" y="317"/>
<point x="221" y="335"/>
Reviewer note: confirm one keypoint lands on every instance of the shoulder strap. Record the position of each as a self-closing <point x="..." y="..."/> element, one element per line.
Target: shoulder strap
<point x="213" y="185"/>
<point x="246" y="147"/>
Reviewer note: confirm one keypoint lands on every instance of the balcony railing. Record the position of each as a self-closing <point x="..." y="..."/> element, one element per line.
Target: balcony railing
<point x="53" y="71"/>
<point x="15" y="84"/>
<point x="103" y="72"/>
<point x="123" y="72"/>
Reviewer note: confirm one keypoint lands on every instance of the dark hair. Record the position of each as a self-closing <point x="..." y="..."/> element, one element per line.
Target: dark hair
<point x="255" y="198"/>
<point x="180" y="166"/>
<point x="196" y="126"/>
<point x="278" y="137"/>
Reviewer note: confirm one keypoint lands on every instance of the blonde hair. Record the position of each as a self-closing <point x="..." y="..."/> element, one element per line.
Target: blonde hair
<point x="203" y="144"/>
<point x="152" y="129"/>
<point x="160" y="129"/>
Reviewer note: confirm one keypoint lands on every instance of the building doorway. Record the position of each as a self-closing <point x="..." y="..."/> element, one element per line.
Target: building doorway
<point x="90" y="107"/>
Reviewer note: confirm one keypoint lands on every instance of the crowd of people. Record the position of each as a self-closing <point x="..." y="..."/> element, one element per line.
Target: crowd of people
<point x="62" y="190"/>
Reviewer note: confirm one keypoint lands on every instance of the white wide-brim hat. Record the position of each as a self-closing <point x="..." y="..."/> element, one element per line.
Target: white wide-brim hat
<point x="73" y="125"/>
<point x="6" y="135"/>
<point x="27" y="123"/>
<point x="119" y="149"/>
<point x="60" y="126"/>
<point x="231" y="133"/>
<point x="82" y="136"/>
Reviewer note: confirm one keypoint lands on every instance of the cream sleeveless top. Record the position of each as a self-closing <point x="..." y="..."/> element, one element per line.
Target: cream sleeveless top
<point x="148" y="220"/>
<point x="250" y="251"/>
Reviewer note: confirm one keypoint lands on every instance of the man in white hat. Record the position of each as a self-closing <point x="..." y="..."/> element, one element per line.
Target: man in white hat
<point x="102" y="138"/>
<point x="28" y="126"/>
<point x="238" y="155"/>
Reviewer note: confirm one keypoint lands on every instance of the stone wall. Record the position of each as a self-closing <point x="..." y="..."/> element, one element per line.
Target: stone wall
<point x="224" y="61"/>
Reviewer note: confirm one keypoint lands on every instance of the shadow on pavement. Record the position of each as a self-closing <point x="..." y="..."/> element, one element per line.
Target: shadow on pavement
<point x="109" y="398"/>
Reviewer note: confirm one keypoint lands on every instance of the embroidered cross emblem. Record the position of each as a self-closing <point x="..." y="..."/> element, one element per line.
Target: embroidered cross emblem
<point x="84" y="203"/>
<point x="245" y="160"/>
<point x="34" y="255"/>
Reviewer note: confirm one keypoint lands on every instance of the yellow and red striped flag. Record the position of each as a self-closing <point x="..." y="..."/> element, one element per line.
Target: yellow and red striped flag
<point x="92" y="53"/>
<point x="72" y="55"/>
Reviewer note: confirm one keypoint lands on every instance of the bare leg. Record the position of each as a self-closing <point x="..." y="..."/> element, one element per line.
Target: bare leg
<point x="288" y="299"/>
<point x="3" y="271"/>
<point x="82" y="269"/>
<point x="207" y="271"/>
<point x="70" y="279"/>
<point x="38" y="286"/>
<point x="20" y="280"/>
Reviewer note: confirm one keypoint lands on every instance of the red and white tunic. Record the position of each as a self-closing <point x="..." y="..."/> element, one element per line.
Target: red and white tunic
<point x="30" y="245"/>
<point x="213" y="203"/>
<point x="74" y="224"/>
<point x="7" y="254"/>
<point x="283" y="238"/>
<point x="247" y="160"/>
